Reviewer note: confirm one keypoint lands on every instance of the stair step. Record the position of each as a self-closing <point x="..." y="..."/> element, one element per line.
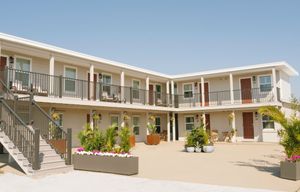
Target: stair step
<point x="52" y="164"/>
<point x="52" y="157"/>
<point x="48" y="152"/>
<point x="45" y="147"/>
<point x="55" y="170"/>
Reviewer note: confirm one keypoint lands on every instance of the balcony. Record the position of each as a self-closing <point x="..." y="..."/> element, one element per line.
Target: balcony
<point x="23" y="82"/>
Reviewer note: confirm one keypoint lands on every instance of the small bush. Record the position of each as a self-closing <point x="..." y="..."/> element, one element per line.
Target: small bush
<point x="91" y="139"/>
<point x="124" y="136"/>
<point x="110" y="138"/>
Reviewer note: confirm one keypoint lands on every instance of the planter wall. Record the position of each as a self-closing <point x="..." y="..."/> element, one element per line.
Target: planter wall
<point x="132" y="140"/>
<point x="116" y="165"/>
<point x="153" y="139"/>
<point x="290" y="170"/>
<point x="60" y="145"/>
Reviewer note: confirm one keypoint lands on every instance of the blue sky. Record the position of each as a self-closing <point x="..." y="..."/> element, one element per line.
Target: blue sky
<point x="167" y="36"/>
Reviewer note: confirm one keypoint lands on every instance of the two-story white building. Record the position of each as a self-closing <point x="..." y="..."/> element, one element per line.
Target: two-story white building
<point x="77" y="86"/>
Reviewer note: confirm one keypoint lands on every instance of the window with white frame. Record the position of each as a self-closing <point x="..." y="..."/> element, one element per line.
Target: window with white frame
<point x="189" y="123"/>
<point x="114" y="120"/>
<point x="107" y="81"/>
<point x="135" y="89"/>
<point x="136" y="125"/>
<point x="158" y="124"/>
<point x="158" y="91"/>
<point x="268" y="122"/>
<point x="265" y="83"/>
<point x="22" y="71"/>
<point x="188" y="90"/>
<point x="70" y="76"/>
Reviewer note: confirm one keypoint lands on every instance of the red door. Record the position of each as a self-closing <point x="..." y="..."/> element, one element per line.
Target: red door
<point x="2" y="68"/>
<point x="206" y="94"/>
<point x="248" y="125"/>
<point x="94" y="87"/>
<point x="151" y="92"/>
<point x="207" y="119"/>
<point x="246" y="90"/>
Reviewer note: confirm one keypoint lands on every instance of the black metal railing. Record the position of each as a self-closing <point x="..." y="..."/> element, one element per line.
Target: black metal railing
<point x="26" y="139"/>
<point x="54" y="135"/>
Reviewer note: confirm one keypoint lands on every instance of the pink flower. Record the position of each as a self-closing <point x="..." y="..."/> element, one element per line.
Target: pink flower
<point x="80" y="149"/>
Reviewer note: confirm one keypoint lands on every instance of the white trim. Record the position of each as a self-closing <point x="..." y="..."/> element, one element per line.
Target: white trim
<point x="132" y="80"/>
<point x="193" y="91"/>
<point x="258" y="81"/>
<point x="186" y="116"/>
<point x="22" y="57"/>
<point x="71" y="67"/>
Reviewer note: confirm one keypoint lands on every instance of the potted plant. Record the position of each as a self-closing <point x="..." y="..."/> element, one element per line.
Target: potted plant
<point x="198" y="147"/>
<point x="56" y="136"/>
<point x="190" y="144"/>
<point x="125" y="124"/>
<point x="153" y="138"/>
<point x="289" y="139"/>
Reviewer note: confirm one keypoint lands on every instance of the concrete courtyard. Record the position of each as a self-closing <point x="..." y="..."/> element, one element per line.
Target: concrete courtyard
<point x="166" y="167"/>
<point x="250" y="165"/>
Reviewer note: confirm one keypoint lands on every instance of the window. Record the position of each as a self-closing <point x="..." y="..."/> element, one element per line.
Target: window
<point x="189" y="123"/>
<point x="114" y="120"/>
<point x="268" y="122"/>
<point x="60" y="120"/>
<point x="157" y="124"/>
<point x="136" y="125"/>
<point x="107" y="81"/>
<point x="265" y="83"/>
<point x="22" y="69"/>
<point x="135" y="89"/>
<point x="70" y="76"/>
<point x="188" y="90"/>
<point x="158" y="91"/>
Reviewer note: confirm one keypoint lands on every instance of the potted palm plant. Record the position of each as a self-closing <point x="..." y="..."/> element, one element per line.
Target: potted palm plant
<point x="153" y="138"/>
<point x="125" y="124"/>
<point x="56" y="136"/>
<point x="289" y="139"/>
<point x="190" y="143"/>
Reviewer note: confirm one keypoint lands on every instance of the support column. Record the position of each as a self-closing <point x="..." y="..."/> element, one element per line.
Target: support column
<point x="147" y="122"/>
<point x="233" y="127"/>
<point x="91" y="119"/>
<point x="231" y="88"/>
<point x="202" y="92"/>
<point x="204" y="120"/>
<point x="172" y="93"/>
<point x="51" y="73"/>
<point x="168" y="127"/>
<point x="274" y="84"/>
<point x="168" y="93"/>
<point x="173" y="127"/>
<point x="122" y="84"/>
<point x="147" y="91"/>
<point x="91" y="81"/>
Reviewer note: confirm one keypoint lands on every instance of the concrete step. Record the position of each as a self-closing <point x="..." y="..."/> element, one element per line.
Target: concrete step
<point x="51" y="157"/>
<point x="56" y="170"/>
<point x="47" y="152"/>
<point x="45" y="147"/>
<point x="52" y="164"/>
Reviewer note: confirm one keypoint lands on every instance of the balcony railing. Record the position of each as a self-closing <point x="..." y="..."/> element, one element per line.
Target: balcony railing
<point x="58" y="86"/>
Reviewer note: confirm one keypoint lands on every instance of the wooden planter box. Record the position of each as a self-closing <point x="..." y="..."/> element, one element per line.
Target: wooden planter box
<point x="132" y="140"/>
<point x="116" y="165"/>
<point x="60" y="145"/>
<point x="290" y="170"/>
<point x="153" y="139"/>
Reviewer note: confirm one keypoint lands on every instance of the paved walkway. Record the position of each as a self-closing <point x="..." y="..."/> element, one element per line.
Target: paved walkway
<point x="81" y="181"/>
<point x="248" y="165"/>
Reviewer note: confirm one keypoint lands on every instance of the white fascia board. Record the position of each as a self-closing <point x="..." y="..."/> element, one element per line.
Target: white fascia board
<point x="281" y="65"/>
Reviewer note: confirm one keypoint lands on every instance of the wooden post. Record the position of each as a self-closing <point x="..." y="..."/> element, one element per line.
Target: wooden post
<point x="36" y="155"/>
<point x="60" y="86"/>
<point x="69" y="146"/>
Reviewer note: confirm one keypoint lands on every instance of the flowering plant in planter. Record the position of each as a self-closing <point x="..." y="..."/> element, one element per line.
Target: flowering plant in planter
<point x="81" y="151"/>
<point x="289" y="138"/>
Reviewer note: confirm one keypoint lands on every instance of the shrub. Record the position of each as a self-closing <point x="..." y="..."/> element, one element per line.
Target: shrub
<point x="124" y="135"/>
<point x="197" y="137"/>
<point x="91" y="139"/>
<point x="110" y="138"/>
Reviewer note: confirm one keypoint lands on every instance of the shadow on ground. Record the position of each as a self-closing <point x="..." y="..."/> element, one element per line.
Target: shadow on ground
<point x="4" y="163"/>
<point x="261" y="165"/>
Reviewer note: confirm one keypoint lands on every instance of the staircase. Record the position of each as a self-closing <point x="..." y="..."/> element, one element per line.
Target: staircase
<point x="27" y="142"/>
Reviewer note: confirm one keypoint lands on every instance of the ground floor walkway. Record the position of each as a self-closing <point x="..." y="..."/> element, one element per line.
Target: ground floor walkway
<point x="250" y="165"/>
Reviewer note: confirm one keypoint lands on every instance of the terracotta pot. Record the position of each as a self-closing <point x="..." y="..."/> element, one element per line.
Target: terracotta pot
<point x="132" y="140"/>
<point x="60" y="145"/>
<point x="153" y="139"/>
